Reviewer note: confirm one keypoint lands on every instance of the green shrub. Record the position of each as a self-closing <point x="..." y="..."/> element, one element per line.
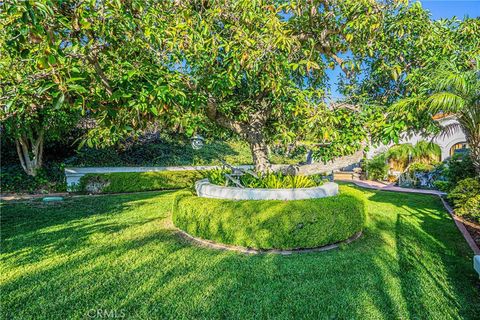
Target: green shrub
<point x="471" y="209"/>
<point x="50" y="178"/>
<point x="376" y="168"/>
<point x="465" y="198"/>
<point x="458" y="167"/>
<point x="138" y="181"/>
<point x="420" y="167"/>
<point x="442" y="185"/>
<point x="267" y="224"/>
<point x="272" y="180"/>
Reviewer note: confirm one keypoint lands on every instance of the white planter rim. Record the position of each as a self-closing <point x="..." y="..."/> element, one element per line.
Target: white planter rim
<point x="209" y="190"/>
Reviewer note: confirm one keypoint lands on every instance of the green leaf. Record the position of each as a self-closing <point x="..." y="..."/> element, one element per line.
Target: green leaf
<point x="59" y="101"/>
<point x="51" y="59"/>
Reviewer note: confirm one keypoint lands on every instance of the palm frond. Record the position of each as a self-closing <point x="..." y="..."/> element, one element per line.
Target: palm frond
<point x="407" y="103"/>
<point x="425" y="151"/>
<point x="449" y="130"/>
<point x="460" y="83"/>
<point x="445" y="101"/>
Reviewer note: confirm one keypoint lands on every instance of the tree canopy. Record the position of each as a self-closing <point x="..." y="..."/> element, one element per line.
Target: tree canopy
<point x="256" y="69"/>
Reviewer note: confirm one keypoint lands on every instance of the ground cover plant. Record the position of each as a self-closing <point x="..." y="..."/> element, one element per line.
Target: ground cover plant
<point x="270" y="180"/>
<point x="121" y="252"/>
<point x="466" y="199"/>
<point x="271" y="224"/>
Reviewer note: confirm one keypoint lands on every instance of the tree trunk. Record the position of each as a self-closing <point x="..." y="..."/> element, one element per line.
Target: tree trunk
<point x="251" y="131"/>
<point x="475" y="154"/>
<point x="259" y="149"/>
<point x="30" y="153"/>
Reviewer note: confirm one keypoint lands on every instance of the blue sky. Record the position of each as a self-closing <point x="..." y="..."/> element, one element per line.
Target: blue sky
<point x="439" y="9"/>
<point x="447" y="9"/>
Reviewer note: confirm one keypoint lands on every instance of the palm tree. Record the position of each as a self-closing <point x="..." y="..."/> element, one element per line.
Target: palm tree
<point x="456" y="91"/>
<point x="426" y="152"/>
<point x="402" y="155"/>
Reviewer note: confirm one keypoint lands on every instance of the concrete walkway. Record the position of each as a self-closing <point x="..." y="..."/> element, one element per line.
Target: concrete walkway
<point x="392" y="187"/>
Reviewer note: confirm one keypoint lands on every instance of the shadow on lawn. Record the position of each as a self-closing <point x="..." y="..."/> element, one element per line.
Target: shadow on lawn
<point x="29" y="234"/>
<point x="141" y="267"/>
<point x="434" y="260"/>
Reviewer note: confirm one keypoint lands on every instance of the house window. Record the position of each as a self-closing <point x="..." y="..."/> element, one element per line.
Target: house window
<point x="458" y="148"/>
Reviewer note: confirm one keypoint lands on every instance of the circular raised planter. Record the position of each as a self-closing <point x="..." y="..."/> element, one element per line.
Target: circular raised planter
<point x="271" y="224"/>
<point x="205" y="189"/>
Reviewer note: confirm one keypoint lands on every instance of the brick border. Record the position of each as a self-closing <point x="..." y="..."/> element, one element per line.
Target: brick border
<point x="220" y="246"/>
<point x="461" y="227"/>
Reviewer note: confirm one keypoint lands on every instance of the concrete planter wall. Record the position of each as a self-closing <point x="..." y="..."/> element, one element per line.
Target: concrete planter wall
<point x="73" y="174"/>
<point x="208" y="190"/>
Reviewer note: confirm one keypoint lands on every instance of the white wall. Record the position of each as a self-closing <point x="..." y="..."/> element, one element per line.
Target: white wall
<point x="445" y="142"/>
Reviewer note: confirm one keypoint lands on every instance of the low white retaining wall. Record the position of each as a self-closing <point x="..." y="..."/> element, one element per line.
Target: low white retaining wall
<point x="208" y="190"/>
<point x="73" y="174"/>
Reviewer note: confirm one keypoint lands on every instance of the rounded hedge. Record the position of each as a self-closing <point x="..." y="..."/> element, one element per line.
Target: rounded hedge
<point x="272" y="224"/>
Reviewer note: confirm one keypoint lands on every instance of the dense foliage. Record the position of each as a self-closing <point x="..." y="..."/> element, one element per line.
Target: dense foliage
<point x="60" y="60"/>
<point x="49" y="178"/>
<point x="466" y="199"/>
<point x="376" y="168"/>
<point x="257" y="70"/>
<point x="401" y="156"/>
<point x="455" y="90"/>
<point x="405" y="68"/>
<point x="267" y="224"/>
<point x="270" y="180"/>
<point x="457" y="168"/>
<point x="138" y="181"/>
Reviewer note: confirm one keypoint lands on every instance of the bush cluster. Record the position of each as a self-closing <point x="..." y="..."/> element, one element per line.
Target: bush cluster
<point x="272" y="180"/>
<point x="268" y="224"/>
<point x="457" y="168"/>
<point x="168" y="151"/>
<point x="466" y="199"/>
<point x="138" y="181"/>
<point x="376" y="168"/>
<point x="50" y="178"/>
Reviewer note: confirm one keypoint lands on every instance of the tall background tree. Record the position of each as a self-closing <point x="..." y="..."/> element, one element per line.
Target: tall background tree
<point x="453" y="90"/>
<point x="40" y="88"/>
<point x="64" y="59"/>
<point x="259" y="69"/>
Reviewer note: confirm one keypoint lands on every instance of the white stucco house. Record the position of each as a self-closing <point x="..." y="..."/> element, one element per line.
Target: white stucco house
<point x="449" y="144"/>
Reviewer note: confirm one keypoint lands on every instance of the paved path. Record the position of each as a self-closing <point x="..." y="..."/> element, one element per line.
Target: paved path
<point x="391" y="187"/>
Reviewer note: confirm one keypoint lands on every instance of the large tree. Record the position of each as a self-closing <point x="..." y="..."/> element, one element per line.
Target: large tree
<point x="40" y="87"/>
<point x="258" y="68"/>
<point x="60" y="59"/>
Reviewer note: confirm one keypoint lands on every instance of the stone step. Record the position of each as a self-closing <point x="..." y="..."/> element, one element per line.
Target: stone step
<point x="346" y="175"/>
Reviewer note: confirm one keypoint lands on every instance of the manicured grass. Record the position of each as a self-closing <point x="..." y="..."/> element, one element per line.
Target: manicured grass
<point x="121" y="253"/>
<point x="272" y="224"/>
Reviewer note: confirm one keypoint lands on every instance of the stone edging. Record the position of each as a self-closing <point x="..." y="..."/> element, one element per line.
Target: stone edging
<point x="206" y="189"/>
<point x="220" y="246"/>
<point x="461" y="227"/>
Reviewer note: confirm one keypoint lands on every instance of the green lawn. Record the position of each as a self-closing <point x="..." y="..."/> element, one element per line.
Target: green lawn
<point x="119" y="253"/>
